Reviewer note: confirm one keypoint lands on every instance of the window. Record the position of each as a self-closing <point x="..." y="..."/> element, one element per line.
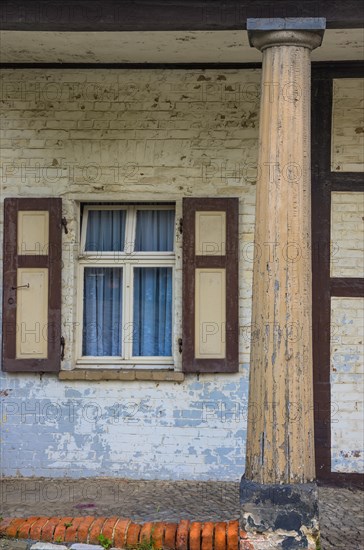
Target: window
<point x="128" y="271"/>
<point x="126" y="284"/>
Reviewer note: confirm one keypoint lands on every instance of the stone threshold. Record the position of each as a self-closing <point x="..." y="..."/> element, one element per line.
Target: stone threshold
<point x="154" y="375"/>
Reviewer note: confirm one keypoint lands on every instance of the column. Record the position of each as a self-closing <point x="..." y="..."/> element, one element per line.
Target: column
<point x="280" y="441"/>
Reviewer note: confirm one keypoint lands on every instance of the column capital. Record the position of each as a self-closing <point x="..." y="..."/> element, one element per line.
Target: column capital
<point x="301" y="32"/>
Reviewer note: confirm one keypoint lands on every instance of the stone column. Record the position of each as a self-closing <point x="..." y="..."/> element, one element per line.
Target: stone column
<point x="280" y="462"/>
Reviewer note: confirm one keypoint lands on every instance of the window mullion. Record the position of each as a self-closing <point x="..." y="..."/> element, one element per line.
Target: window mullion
<point x="128" y="312"/>
<point x="128" y="297"/>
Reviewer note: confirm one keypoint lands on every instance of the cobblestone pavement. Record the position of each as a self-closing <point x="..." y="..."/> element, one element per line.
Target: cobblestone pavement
<point x="341" y="510"/>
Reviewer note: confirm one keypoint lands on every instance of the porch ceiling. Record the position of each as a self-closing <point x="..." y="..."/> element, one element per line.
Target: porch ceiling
<point x="229" y="46"/>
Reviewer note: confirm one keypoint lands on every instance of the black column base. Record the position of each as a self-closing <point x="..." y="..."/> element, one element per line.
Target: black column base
<point x="288" y="511"/>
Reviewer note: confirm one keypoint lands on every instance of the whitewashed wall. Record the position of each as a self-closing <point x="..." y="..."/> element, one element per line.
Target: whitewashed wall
<point x="347" y="335"/>
<point x="149" y="135"/>
<point x="129" y="135"/>
<point x="347" y="388"/>
<point x="347" y="144"/>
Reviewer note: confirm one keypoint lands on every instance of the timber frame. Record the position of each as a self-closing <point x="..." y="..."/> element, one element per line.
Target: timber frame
<point x="167" y="15"/>
<point x="324" y="182"/>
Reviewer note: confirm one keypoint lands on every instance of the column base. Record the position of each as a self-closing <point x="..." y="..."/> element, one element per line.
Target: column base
<point x="278" y="516"/>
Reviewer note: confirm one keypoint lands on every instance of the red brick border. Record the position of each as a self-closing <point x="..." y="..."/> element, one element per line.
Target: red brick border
<point x="123" y="532"/>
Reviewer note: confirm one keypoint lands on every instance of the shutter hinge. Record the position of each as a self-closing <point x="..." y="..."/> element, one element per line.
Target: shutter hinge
<point x="180" y="226"/>
<point x="63" y="344"/>
<point x="64" y="223"/>
<point x="180" y="345"/>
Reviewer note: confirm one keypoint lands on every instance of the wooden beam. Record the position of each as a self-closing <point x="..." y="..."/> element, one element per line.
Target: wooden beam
<point x="168" y="15"/>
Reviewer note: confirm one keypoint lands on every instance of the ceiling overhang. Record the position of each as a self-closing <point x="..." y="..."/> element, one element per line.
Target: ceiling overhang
<point x="167" y="47"/>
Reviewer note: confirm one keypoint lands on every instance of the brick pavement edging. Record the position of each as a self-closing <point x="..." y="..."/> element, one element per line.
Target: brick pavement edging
<point x="185" y="535"/>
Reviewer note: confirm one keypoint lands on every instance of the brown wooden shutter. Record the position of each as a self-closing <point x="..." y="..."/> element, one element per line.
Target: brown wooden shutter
<point x="210" y="340"/>
<point x="32" y="285"/>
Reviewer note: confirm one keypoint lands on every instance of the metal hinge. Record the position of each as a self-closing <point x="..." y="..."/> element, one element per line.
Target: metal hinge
<point x="180" y="345"/>
<point x="63" y="344"/>
<point x="180" y="226"/>
<point x="64" y="223"/>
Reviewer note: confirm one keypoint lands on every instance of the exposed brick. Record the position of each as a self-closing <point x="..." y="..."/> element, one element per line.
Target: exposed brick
<point x="132" y="537"/>
<point x="83" y="529"/>
<point x="48" y="530"/>
<point x="207" y="536"/>
<point x="71" y="532"/>
<point x="108" y="527"/>
<point x="23" y="532"/>
<point x="60" y="530"/>
<point x="14" y="527"/>
<point x="195" y="536"/>
<point x="4" y="524"/>
<point x="233" y="535"/>
<point x="95" y="531"/>
<point x="36" y="529"/>
<point x="220" y="536"/>
<point x="120" y="532"/>
<point x="146" y="531"/>
<point x="182" y="535"/>
<point x="170" y="536"/>
<point x="158" y="531"/>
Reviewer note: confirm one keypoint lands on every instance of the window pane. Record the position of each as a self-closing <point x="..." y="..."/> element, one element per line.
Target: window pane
<point x="105" y="230"/>
<point x="102" y="317"/>
<point x="154" y="231"/>
<point x="152" y="329"/>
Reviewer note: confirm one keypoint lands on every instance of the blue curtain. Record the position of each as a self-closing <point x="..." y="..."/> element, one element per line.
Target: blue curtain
<point x="105" y="230"/>
<point x="152" y="328"/>
<point x="154" y="231"/>
<point x="102" y="311"/>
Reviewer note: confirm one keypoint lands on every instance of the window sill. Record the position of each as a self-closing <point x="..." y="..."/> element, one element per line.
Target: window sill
<point x="122" y="374"/>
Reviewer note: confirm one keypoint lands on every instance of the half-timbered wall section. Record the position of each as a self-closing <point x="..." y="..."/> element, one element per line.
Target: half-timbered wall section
<point x="338" y="289"/>
<point x="161" y="135"/>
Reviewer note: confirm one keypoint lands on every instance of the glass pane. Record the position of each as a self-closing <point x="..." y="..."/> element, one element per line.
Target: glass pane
<point x="102" y="311"/>
<point x="154" y="231"/>
<point x="105" y="230"/>
<point x="152" y="328"/>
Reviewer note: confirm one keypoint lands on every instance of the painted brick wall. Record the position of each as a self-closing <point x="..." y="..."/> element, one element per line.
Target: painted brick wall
<point x="347" y="260"/>
<point x="129" y="135"/>
<point x="347" y="234"/>
<point x="138" y="135"/>
<point x="348" y="125"/>
<point x="347" y="389"/>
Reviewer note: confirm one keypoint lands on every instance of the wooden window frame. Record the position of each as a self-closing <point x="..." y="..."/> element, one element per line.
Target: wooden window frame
<point x="127" y="261"/>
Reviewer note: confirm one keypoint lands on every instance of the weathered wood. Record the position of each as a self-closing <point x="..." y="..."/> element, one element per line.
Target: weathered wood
<point x="169" y="15"/>
<point x="280" y="424"/>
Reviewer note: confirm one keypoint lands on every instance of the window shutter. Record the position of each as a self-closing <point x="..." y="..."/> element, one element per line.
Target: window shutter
<point x="32" y="285"/>
<point x="210" y="285"/>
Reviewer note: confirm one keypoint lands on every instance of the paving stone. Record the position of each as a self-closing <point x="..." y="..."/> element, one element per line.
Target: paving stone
<point x="48" y="546"/>
<point x="79" y="546"/>
<point x="13" y="544"/>
<point x="341" y="509"/>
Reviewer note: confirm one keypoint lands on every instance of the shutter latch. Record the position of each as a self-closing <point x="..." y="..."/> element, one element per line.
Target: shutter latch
<point x="180" y="345"/>
<point x="20" y="286"/>
<point x="63" y="344"/>
<point x="180" y="225"/>
<point x="64" y="223"/>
